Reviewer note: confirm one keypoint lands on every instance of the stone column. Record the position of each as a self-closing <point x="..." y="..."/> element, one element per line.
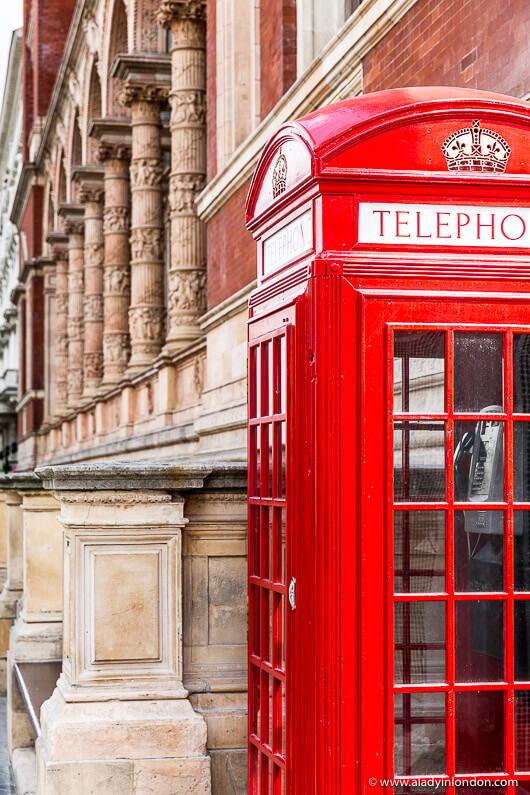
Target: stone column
<point x="36" y="635"/>
<point x="116" y="273"/>
<point x="59" y="243"/>
<point x="187" y="273"/>
<point x="120" y="714"/>
<point x="92" y="197"/>
<point x="147" y="311"/>
<point x="74" y="230"/>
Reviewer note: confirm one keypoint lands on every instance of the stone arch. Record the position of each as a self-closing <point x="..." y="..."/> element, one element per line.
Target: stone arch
<point x="116" y="41"/>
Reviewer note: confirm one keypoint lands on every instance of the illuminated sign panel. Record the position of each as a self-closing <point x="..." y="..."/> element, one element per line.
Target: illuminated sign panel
<point x="288" y="243"/>
<point x="443" y="225"/>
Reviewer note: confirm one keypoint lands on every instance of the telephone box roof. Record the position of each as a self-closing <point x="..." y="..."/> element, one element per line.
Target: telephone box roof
<point x="410" y="125"/>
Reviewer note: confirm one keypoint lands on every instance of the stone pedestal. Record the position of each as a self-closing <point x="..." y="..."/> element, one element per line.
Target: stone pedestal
<point x="11" y="516"/>
<point x="119" y="717"/>
<point x="187" y="271"/>
<point x="36" y="635"/>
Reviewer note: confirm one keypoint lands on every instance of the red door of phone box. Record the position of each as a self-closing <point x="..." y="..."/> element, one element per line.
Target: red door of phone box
<point x="389" y="449"/>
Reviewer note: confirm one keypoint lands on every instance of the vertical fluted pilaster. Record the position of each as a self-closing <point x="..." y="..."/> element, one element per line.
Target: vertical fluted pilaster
<point x="60" y="355"/>
<point x="147" y="310"/>
<point x="92" y="197"/>
<point x="116" y="270"/>
<point x="74" y="230"/>
<point x="187" y="272"/>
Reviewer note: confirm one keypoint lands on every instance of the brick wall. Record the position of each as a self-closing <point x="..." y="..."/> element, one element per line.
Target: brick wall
<point x="231" y="250"/>
<point x="52" y="18"/>
<point x="211" y="90"/>
<point x="277" y="51"/>
<point x="468" y="43"/>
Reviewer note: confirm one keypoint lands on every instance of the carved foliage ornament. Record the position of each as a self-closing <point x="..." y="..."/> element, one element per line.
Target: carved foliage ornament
<point x="75" y="381"/>
<point x="148" y="93"/>
<point x="183" y="190"/>
<point x="94" y="255"/>
<point x="113" y="152"/>
<point x="75" y="282"/>
<point x="279" y="176"/>
<point x="93" y="308"/>
<point x="188" y="107"/>
<point x="91" y="194"/>
<point x="61" y="302"/>
<point x="93" y="365"/>
<point x="174" y="10"/>
<point x="75" y="328"/>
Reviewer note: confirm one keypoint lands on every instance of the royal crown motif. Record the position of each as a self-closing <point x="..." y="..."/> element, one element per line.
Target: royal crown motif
<point x="279" y="176"/>
<point x="476" y="149"/>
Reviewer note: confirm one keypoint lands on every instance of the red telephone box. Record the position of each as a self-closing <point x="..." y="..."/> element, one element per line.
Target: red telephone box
<point x="389" y="449"/>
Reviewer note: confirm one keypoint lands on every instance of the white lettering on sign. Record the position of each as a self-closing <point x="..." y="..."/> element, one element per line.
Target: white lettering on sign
<point x="288" y="243"/>
<point x="443" y="225"/>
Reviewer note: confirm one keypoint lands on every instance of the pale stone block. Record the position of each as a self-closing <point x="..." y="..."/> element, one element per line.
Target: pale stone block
<point x="25" y="771"/>
<point x="3" y="676"/>
<point x="42" y="543"/>
<point x="121" y="729"/>
<point x="88" y="778"/>
<point x="229" y="772"/>
<point x="227" y="601"/>
<point x="19" y="733"/>
<point x="172" y="776"/>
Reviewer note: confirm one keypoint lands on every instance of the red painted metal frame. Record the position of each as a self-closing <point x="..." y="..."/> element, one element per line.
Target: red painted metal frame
<point x="340" y="309"/>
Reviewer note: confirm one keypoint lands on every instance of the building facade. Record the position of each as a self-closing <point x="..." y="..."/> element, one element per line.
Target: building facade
<point x="142" y="123"/>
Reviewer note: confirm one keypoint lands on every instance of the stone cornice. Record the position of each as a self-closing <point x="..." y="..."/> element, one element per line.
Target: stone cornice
<point x="59" y="242"/>
<point x="142" y="70"/>
<point x="73" y="215"/>
<point x="111" y="131"/>
<point x="91" y="174"/>
<point x="142" y="475"/>
<point x="29" y="176"/>
<point x="335" y="74"/>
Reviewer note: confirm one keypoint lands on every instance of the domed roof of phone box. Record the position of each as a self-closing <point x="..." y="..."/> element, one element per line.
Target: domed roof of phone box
<point x="400" y="129"/>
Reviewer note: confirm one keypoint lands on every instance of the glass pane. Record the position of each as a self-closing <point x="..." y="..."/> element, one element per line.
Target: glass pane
<point x="479" y="550"/>
<point x="419" y="461"/>
<point x="521" y="373"/>
<point x="256" y="369"/>
<point x="522" y="730"/>
<point x="479" y="646"/>
<point x="521" y="461"/>
<point x="419" y="551"/>
<point x="472" y="789"/>
<point x="479" y="461"/>
<point x="478" y="369"/>
<point x="479" y="731"/>
<point x="419" y="736"/>
<point x="419" y="371"/>
<point x="419" y="789"/>
<point x="283" y="375"/>
<point x="522" y="640"/>
<point x="521" y="530"/>
<point x="419" y="642"/>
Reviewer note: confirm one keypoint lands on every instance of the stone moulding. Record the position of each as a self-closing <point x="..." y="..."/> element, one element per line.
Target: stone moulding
<point x="134" y="475"/>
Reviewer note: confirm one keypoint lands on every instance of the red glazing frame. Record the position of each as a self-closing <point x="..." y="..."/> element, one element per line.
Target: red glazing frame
<point x="449" y="597"/>
<point x="267" y="588"/>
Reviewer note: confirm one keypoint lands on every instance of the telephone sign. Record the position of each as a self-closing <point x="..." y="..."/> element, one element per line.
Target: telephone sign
<point x="389" y="449"/>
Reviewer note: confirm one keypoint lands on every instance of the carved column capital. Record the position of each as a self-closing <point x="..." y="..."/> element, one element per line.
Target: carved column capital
<point x="131" y="95"/>
<point x="108" y="151"/>
<point x="91" y="193"/>
<point x="74" y="227"/>
<point x="172" y="11"/>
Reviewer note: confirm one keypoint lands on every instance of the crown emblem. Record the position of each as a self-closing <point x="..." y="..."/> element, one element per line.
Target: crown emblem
<point x="476" y="149"/>
<point x="279" y="176"/>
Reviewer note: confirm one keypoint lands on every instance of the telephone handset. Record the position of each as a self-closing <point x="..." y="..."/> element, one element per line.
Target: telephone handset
<point x="478" y="466"/>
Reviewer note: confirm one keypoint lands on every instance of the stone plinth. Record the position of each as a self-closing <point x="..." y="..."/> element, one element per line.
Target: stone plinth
<point x="36" y="635"/>
<point x="120" y="713"/>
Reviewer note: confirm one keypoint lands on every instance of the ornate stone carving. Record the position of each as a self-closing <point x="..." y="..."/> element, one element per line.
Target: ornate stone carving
<point x="116" y="348"/>
<point x="90" y="194"/>
<point x="146" y="171"/>
<point x="113" y="498"/>
<point x="61" y="344"/>
<point x="116" y="219"/>
<point x="146" y="323"/>
<point x="198" y="376"/>
<point x="183" y="190"/>
<point x="75" y="327"/>
<point x="94" y="255"/>
<point x="175" y="10"/>
<point x="148" y="93"/>
<point x="73" y="227"/>
<point x="75" y="382"/>
<point x="61" y="302"/>
<point x="187" y="291"/>
<point x="75" y="282"/>
<point x="147" y="244"/>
<point x="188" y="107"/>
<point x="117" y="280"/>
<point x="93" y="307"/>
<point x="93" y="365"/>
<point x="113" y="152"/>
